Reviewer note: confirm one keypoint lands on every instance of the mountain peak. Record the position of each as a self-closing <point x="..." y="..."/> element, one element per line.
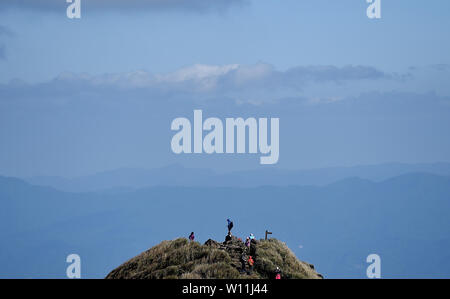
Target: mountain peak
<point x="180" y="258"/>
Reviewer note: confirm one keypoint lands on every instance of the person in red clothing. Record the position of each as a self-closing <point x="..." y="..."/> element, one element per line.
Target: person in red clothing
<point x="251" y="262"/>
<point x="278" y="273"/>
<point x="191" y="237"/>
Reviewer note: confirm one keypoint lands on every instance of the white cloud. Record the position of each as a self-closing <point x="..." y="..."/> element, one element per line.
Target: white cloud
<point x="197" y="72"/>
<point x="258" y="83"/>
<point x="233" y="75"/>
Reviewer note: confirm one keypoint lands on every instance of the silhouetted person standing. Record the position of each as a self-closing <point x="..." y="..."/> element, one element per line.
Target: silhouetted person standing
<point x="191" y="237"/>
<point x="228" y="237"/>
<point x="230" y="225"/>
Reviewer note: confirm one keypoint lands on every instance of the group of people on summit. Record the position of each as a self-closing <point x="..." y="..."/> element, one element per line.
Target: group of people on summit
<point x="248" y="242"/>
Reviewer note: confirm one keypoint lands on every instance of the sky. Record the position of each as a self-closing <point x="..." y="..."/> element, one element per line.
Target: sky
<point x="79" y="96"/>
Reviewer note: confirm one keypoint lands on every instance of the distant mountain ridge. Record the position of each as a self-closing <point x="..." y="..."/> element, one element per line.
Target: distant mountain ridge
<point x="404" y="219"/>
<point x="127" y="179"/>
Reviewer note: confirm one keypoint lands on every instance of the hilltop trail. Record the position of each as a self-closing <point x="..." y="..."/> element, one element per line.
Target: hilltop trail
<point x="191" y="260"/>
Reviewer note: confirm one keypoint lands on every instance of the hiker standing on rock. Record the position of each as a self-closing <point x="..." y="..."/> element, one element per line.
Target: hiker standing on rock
<point x="191" y="237"/>
<point x="230" y="225"/>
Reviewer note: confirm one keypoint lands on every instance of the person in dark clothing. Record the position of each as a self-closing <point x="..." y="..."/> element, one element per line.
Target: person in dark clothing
<point x="252" y="248"/>
<point x="243" y="262"/>
<point x="191" y="237"/>
<point x="230" y="225"/>
<point x="228" y="237"/>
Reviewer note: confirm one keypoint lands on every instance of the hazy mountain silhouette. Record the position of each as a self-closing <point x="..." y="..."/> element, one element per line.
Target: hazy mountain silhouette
<point x="403" y="219"/>
<point x="127" y="179"/>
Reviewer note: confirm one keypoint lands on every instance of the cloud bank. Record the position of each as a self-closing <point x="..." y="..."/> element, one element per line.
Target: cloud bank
<point x="239" y="82"/>
<point x="329" y="115"/>
<point x="120" y="5"/>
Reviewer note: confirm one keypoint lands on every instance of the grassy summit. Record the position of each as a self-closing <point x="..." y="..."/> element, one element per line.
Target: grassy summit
<point x="191" y="260"/>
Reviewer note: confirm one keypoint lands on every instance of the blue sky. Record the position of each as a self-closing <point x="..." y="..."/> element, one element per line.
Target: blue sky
<point x="285" y="34"/>
<point x="80" y="96"/>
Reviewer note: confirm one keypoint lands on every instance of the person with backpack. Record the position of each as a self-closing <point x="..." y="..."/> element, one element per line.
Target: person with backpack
<point x="230" y="225"/>
<point x="191" y="237"/>
<point x="253" y="245"/>
<point x="251" y="262"/>
<point x="247" y="242"/>
<point x="228" y="237"/>
<point x="278" y="273"/>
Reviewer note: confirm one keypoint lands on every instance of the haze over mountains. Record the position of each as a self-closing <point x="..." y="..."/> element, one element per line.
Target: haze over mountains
<point x="126" y="179"/>
<point x="336" y="226"/>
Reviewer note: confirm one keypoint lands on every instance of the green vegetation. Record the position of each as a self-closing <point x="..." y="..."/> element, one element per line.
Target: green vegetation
<point x="191" y="260"/>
